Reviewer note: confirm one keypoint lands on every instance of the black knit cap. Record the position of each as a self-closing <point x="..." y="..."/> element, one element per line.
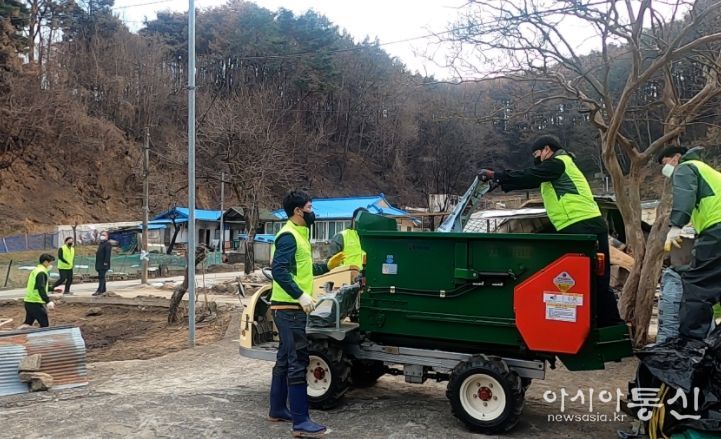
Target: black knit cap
<point x="549" y="140"/>
<point x="671" y="151"/>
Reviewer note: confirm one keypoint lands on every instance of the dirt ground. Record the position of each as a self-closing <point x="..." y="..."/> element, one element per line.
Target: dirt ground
<point x="124" y="332"/>
<point x="212" y="392"/>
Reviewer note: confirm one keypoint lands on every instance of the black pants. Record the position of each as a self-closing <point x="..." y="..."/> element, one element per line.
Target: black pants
<point x="606" y="306"/>
<point x="701" y="285"/>
<point x="66" y="276"/>
<point x="101" y="281"/>
<point x="292" y="359"/>
<point x="36" y="311"/>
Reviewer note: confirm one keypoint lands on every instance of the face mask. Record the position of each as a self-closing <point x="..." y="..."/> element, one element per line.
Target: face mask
<point x="70" y="244"/>
<point x="103" y="238"/>
<point x="309" y="218"/>
<point x="50" y="267"/>
<point x="667" y="170"/>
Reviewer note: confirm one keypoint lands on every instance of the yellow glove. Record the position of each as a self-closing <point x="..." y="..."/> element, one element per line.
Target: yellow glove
<point x="336" y="260"/>
<point x="673" y="238"/>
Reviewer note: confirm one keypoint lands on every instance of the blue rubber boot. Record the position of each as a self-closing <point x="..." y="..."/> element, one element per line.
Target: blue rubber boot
<point x="302" y="425"/>
<point x="278" y="400"/>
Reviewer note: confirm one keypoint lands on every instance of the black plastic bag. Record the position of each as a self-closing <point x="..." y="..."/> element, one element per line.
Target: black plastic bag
<point x="324" y="316"/>
<point x="686" y="364"/>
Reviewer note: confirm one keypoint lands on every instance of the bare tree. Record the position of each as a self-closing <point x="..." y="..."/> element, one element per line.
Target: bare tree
<point x="538" y="41"/>
<point x="245" y="136"/>
<point x="200" y="254"/>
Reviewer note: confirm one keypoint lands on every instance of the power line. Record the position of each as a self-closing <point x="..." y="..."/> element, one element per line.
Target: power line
<point x="157" y="2"/>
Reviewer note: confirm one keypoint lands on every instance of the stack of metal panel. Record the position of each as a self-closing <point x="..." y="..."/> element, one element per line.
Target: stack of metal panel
<point x="62" y="350"/>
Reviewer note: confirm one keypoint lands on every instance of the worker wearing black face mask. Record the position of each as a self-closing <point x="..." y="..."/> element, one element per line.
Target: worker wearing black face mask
<point x="570" y="206"/>
<point x="291" y="300"/>
<point x="66" y="263"/>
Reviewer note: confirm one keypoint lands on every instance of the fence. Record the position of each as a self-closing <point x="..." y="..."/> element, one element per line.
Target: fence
<point x="15" y="273"/>
<point x="19" y="243"/>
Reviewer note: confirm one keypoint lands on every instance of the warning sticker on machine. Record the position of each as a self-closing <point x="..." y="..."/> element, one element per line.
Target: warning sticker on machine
<point x="564" y="281"/>
<point x="567" y="299"/>
<point x="562" y="306"/>
<point x="561" y="313"/>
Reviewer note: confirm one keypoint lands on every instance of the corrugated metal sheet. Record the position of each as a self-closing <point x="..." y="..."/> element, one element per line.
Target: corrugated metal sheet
<point x="10" y="357"/>
<point x="63" y="357"/>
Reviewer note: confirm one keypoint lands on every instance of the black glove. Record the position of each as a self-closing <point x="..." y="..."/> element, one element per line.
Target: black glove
<point x="486" y="174"/>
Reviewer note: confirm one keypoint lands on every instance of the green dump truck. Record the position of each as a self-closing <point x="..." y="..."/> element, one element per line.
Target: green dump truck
<point x="485" y="312"/>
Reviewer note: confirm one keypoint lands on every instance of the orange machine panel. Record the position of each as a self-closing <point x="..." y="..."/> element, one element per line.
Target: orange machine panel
<point x="553" y="307"/>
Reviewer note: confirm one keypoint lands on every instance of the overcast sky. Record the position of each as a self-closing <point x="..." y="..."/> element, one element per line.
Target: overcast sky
<point x="389" y="20"/>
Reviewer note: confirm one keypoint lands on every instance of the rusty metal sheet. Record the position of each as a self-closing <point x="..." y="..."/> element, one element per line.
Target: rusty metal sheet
<point x="63" y="357"/>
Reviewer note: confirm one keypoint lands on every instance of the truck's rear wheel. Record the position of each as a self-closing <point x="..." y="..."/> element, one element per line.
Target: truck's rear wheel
<point x="365" y="373"/>
<point x="486" y="395"/>
<point x="328" y="374"/>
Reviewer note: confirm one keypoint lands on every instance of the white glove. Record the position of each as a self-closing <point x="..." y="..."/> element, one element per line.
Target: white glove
<point x="673" y="237"/>
<point x="50" y="305"/>
<point x="307" y="302"/>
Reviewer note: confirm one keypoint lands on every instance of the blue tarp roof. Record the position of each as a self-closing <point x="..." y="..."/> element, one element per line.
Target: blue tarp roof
<point x="182" y="213"/>
<point x="342" y="208"/>
<point x="153" y="226"/>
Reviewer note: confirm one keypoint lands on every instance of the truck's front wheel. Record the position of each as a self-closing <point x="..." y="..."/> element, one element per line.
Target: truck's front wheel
<point x="486" y="395"/>
<point x="328" y="374"/>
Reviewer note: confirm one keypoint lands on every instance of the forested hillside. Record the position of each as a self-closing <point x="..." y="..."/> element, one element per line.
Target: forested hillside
<point x="283" y="101"/>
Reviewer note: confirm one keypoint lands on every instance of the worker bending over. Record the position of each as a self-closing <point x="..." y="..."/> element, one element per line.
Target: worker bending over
<point x="696" y="198"/>
<point x="37" y="301"/>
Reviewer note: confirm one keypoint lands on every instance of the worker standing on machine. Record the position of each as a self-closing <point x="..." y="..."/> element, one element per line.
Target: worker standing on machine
<point x="349" y="243"/>
<point x="696" y="199"/>
<point x="291" y="300"/>
<point x="569" y="203"/>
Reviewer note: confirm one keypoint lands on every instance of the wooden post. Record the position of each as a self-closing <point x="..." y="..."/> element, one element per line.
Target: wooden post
<point x="7" y="276"/>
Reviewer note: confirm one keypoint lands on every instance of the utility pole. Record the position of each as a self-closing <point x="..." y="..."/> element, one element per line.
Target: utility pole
<point x="191" y="173"/>
<point x="146" y="208"/>
<point x="222" y="211"/>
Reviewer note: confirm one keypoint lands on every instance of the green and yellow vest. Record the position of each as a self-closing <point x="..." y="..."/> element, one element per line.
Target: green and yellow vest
<point x="69" y="255"/>
<point x="707" y="211"/>
<point x="568" y="199"/>
<point x="352" y="249"/>
<point x="31" y="292"/>
<point x="303" y="276"/>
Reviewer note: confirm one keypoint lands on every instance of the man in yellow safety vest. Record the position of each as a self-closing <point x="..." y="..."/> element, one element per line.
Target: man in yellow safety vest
<point x="569" y="204"/>
<point x="291" y="300"/>
<point x="66" y="263"/>
<point x="348" y="242"/>
<point x="696" y="199"/>
<point x="37" y="302"/>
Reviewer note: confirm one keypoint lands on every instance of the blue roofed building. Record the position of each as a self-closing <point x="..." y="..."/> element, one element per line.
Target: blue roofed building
<point x="333" y="215"/>
<point x="207" y="225"/>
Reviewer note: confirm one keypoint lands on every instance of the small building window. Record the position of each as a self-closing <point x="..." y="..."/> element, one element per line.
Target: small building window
<point x="320" y="231"/>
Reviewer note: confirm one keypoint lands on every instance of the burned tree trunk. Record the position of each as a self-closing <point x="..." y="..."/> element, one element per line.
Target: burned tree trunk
<point x="176" y="229"/>
<point x="200" y="254"/>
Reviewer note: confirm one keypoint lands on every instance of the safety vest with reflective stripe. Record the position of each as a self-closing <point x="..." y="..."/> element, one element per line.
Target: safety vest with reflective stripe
<point x="352" y="249"/>
<point x="303" y="276"/>
<point x="69" y="255"/>
<point x="568" y="199"/>
<point x="707" y="211"/>
<point x="31" y="292"/>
